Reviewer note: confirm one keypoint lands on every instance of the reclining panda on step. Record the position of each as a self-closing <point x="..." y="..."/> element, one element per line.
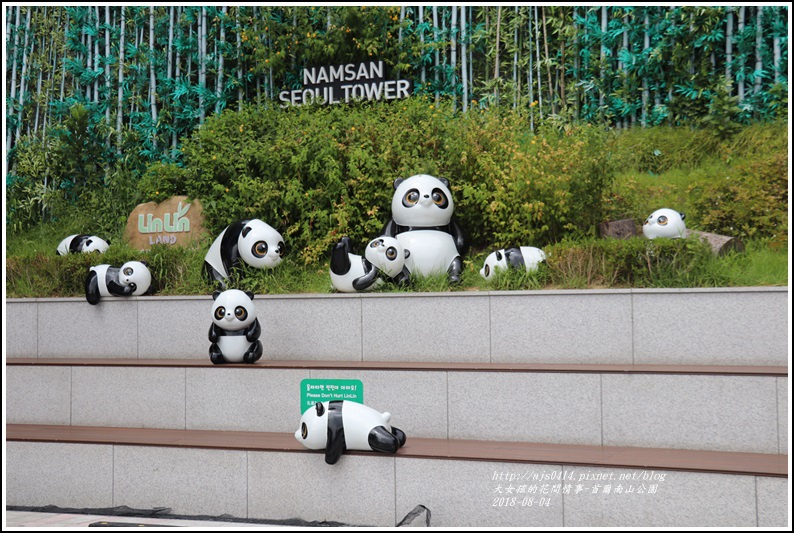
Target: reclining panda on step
<point x="384" y="258"/>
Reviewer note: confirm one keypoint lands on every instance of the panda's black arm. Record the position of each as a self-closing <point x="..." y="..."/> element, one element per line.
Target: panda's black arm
<point x="390" y="228"/>
<point x="92" y="288"/>
<point x="460" y="238"/>
<point x="381" y="440"/>
<point x="370" y="276"/>
<point x="119" y="289"/>
<point x="214" y="333"/>
<point x="253" y="331"/>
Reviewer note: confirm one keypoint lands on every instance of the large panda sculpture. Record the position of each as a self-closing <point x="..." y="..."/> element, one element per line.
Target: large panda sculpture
<point x="341" y="425"/>
<point x="82" y="243"/>
<point x="523" y="258"/>
<point x="133" y="278"/>
<point x="383" y="257"/>
<point x="422" y="208"/>
<point x="665" y="222"/>
<point x="235" y="328"/>
<point x="254" y="242"/>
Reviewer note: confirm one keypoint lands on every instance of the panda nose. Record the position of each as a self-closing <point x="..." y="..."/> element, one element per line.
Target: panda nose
<point x="427" y="196"/>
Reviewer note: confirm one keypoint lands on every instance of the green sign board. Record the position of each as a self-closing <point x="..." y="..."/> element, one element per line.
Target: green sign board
<point x="326" y="390"/>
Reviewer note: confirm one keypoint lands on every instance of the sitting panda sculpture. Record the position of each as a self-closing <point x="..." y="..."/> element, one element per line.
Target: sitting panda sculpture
<point x="341" y="425"/>
<point x="253" y="242"/>
<point x="524" y="257"/>
<point x="422" y="208"/>
<point x="665" y="222"/>
<point x="133" y="278"/>
<point x="384" y="256"/>
<point x="82" y="243"/>
<point x="235" y="328"/>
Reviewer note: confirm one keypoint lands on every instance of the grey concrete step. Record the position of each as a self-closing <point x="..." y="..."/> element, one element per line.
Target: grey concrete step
<point x="746" y="410"/>
<point x="240" y="474"/>
<point x="736" y="326"/>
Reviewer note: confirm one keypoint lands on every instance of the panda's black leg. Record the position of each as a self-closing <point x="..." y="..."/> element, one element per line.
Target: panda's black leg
<point x="254" y="353"/>
<point x="214" y="276"/>
<point x="381" y="440"/>
<point x="401" y="438"/>
<point x="454" y="270"/>
<point x="340" y="261"/>
<point x="92" y="288"/>
<point x="216" y="356"/>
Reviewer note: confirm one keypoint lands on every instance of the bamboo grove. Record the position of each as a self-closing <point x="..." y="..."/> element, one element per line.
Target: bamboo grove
<point x="156" y="73"/>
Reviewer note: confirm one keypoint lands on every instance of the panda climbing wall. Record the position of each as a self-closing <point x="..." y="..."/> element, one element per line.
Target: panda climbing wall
<point x="342" y="425"/>
<point x="235" y="328"/>
<point x="665" y="222"/>
<point x="132" y="279"/>
<point x="384" y="257"/>
<point x="422" y="208"/>
<point x="82" y="243"/>
<point x="254" y="242"/>
<point x="523" y="258"/>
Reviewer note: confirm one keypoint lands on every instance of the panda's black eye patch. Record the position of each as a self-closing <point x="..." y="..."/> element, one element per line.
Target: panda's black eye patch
<point x="220" y="312"/>
<point x="498" y="256"/>
<point x="304" y="431"/>
<point x="128" y="271"/>
<point x="391" y="253"/>
<point x="259" y="249"/>
<point x="440" y="199"/>
<point x="487" y="271"/>
<point x="411" y="198"/>
<point x="282" y="249"/>
<point x="662" y="220"/>
<point x="240" y="312"/>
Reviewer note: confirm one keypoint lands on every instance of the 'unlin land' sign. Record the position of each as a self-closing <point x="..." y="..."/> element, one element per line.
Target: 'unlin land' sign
<point x="343" y="83"/>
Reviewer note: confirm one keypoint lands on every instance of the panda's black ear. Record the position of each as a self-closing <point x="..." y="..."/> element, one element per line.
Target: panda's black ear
<point x="397" y="182"/>
<point x="250" y="294"/>
<point x="445" y="181"/>
<point x="320" y="409"/>
<point x="498" y="256"/>
<point x="215" y="295"/>
<point x="144" y="263"/>
<point x="407" y="254"/>
<point x="683" y="216"/>
<point x="246" y="230"/>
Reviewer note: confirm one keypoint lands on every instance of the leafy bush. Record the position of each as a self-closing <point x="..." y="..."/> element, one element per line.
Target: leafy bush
<point x="750" y="201"/>
<point x="659" y="149"/>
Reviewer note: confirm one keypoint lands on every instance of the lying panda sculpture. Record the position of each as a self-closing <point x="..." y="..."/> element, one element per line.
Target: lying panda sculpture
<point x="253" y="242"/>
<point x="341" y="425"/>
<point x="525" y="257"/>
<point x="235" y="328"/>
<point x="665" y="222"/>
<point x="422" y="208"/>
<point x="383" y="257"/>
<point x="82" y="243"/>
<point x="133" y="278"/>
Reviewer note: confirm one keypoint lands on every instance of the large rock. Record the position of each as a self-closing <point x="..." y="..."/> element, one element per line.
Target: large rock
<point x="174" y="221"/>
<point x="618" y="229"/>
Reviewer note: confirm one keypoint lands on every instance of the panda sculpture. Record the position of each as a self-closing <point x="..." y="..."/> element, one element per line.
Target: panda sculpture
<point x="523" y="258"/>
<point x="384" y="256"/>
<point x="422" y="208"/>
<point x="665" y="223"/>
<point x="235" y="328"/>
<point x="341" y="425"/>
<point x="253" y="241"/>
<point x="82" y="243"/>
<point x="133" y="278"/>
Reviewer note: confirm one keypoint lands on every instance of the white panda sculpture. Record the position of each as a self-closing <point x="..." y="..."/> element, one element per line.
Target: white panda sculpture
<point x="422" y="208"/>
<point x="133" y="278"/>
<point x="384" y="256"/>
<point x="254" y="242"/>
<point x="523" y="257"/>
<point x="235" y="328"/>
<point x="341" y="425"/>
<point x="665" y="223"/>
<point x="82" y="243"/>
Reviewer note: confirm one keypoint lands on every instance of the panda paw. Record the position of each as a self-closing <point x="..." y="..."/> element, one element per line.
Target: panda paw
<point x="254" y="354"/>
<point x="217" y="358"/>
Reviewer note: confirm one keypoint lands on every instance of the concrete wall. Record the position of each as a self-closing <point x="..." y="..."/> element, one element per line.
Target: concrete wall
<point x="746" y="326"/>
<point x="379" y="490"/>
<point x="722" y="413"/>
